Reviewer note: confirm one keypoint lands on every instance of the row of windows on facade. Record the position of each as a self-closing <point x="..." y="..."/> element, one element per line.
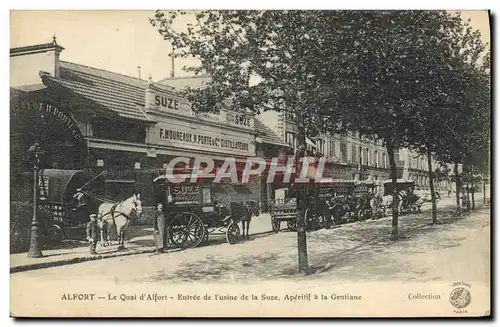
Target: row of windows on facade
<point x="421" y="163"/>
<point x="356" y="135"/>
<point x="358" y="154"/>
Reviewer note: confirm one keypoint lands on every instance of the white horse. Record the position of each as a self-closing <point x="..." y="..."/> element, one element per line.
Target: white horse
<point x="117" y="217"/>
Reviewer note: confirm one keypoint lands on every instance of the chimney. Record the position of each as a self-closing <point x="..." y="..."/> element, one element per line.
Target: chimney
<point x="57" y="51"/>
<point x="139" y="71"/>
<point x="44" y="57"/>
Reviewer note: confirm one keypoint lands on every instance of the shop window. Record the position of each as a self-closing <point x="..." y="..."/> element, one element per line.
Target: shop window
<point x="332" y="148"/>
<point x="343" y="152"/>
<point x="354" y="154"/>
<point x="119" y="131"/>
<point x="290" y="139"/>
<point x="320" y="145"/>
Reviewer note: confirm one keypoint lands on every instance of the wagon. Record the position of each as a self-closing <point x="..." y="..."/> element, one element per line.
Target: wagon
<point x="409" y="201"/>
<point x="283" y="208"/>
<point x="342" y="202"/>
<point x="351" y="200"/>
<point x="193" y="213"/>
<point x="364" y="193"/>
<point x="62" y="215"/>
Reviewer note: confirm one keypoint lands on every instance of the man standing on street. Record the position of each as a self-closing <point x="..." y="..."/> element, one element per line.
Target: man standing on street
<point x="92" y="232"/>
<point x="159" y="226"/>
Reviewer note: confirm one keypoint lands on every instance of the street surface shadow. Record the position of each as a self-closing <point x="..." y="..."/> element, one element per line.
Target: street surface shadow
<point x="221" y="238"/>
<point x="366" y="240"/>
<point x="380" y="240"/>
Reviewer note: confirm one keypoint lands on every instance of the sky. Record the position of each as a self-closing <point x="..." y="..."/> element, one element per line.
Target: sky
<point x="121" y="40"/>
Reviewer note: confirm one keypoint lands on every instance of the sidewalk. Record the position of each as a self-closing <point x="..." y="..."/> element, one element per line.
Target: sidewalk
<point x="21" y="262"/>
<point x="139" y="240"/>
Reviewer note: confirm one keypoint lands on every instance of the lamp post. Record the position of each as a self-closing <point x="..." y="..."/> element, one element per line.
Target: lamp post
<point x="35" y="250"/>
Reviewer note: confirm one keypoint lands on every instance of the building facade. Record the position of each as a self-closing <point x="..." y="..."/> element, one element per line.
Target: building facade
<point x="92" y="119"/>
<point x="355" y="157"/>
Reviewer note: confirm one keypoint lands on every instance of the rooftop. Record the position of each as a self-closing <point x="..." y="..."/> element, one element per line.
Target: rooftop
<point x="120" y="93"/>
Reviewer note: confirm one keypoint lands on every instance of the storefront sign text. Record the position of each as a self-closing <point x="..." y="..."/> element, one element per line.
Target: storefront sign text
<point x="59" y="115"/>
<point x="167" y="134"/>
<point x="238" y="119"/>
<point x="166" y="102"/>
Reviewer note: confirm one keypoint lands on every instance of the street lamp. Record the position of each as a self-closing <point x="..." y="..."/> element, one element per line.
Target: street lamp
<point x="35" y="250"/>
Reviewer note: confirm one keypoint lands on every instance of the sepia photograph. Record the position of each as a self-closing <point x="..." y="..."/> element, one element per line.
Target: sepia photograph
<point x="250" y="163"/>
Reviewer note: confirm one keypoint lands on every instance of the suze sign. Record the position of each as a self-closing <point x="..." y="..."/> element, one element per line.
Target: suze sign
<point x="238" y="119"/>
<point x="166" y="102"/>
<point x="185" y="189"/>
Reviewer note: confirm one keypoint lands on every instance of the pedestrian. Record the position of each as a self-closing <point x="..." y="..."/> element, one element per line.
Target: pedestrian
<point x="92" y="232"/>
<point x="160" y="227"/>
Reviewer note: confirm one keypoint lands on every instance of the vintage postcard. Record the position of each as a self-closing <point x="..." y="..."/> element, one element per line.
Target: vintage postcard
<point x="278" y="163"/>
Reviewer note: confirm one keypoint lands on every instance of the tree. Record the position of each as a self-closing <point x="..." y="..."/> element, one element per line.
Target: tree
<point x="380" y="67"/>
<point x="442" y="174"/>
<point x="465" y="97"/>
<point x="258" y="61"/>
<point x="448" y="95"/>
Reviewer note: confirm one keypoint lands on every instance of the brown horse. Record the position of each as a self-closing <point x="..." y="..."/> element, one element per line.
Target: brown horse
<point x="244" y="212"/>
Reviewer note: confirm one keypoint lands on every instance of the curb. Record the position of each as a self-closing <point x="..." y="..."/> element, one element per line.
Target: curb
<point x="43" y="265"/>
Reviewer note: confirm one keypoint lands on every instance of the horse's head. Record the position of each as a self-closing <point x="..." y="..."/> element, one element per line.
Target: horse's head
<point x="136" y="205"/>
<point x="254" y="207"/>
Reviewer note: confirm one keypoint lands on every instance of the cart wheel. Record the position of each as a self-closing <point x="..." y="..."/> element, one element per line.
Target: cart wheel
<point x="292" y="224"/>
<point x="187" y="230"/>
<point x="321" y="221"/>
<point x="338" y="212"/>
<point x="233" y="233"/>
<point x="313" y="220"/>
<point x="364" y="214"/>
<point x="55" y="234"/>
<point x="316" y="221"/>
<point x="310" y="220"/>
<point x="276" y="225"/>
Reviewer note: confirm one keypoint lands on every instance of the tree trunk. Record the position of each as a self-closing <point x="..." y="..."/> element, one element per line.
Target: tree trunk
<point x="395" y="199"/>
<point x="484" y="191"/>
<point x="457" y="186"/>
<point x="301" y="202"/>
<point x="472" y="191"/>
<point x="431" y="185"/>
<point x="467" y="189"/>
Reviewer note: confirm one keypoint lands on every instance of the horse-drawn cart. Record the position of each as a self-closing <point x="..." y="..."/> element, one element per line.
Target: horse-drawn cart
<point x="63" y="215"/>
<point x="408" y="200"/>
<point x="284" y="207"/>
<point x="193" y="213"/>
